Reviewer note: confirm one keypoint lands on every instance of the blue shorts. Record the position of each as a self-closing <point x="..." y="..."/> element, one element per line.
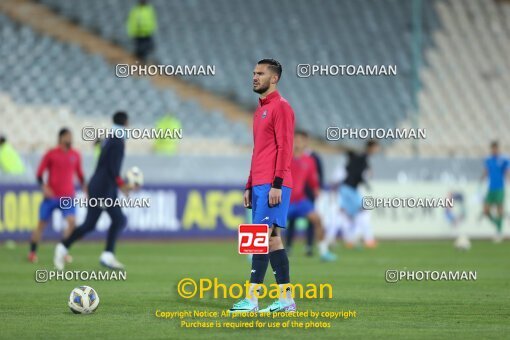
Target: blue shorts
<point x="50" y="204"/>
<point x="350" y="200"/>
<point x="300" y="208"/>
<point x="262" y="213"/>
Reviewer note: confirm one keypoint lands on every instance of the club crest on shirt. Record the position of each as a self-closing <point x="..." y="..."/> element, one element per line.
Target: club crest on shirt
<point x="264" y="114"/>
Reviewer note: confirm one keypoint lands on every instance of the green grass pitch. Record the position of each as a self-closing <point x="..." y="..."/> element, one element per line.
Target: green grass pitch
<point x="425" y="309"/>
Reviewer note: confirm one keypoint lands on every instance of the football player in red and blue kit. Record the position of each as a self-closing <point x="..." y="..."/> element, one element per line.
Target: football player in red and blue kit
<point x="268" y="189"/>
<point x="305" y="175"/>
<point x="62" y="163"/>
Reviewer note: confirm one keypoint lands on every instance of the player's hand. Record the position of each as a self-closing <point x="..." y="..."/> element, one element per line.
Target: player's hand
<point x="275" y="197"/>
<point x="125" y="189"/>
<point x="47" y="192"/>
<point x="247" y="198"/>
<point x="85" y="190"/>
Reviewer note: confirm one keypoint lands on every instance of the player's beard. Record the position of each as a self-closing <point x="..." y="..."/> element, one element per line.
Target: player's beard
<point x="68" y="145"/>
<point x="261" y="89"/>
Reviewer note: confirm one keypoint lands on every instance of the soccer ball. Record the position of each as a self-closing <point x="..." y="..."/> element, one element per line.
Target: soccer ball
<point x="462" y="243"/>
<point x="134" y="177"/>
<point x="83" y="300"/>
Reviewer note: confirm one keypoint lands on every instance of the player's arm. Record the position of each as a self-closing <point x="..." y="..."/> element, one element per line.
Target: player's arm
<point x="247" y="189"/>
<point x="364" y="178"/>
<point x="43" y="166"/>
<point x="284" y="133"/>
<point x="312" y="178"/>
<point x="320" y="169"/>
<point x="115" y="163"/>
<point x="79" y="174"/>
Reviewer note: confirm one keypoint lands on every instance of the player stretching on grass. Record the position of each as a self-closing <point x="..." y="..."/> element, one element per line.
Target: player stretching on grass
<point x="269" y="185"/>
<point x="105" y="183"/>
<point x="496" y="167"/>
<point x="62" y="163"/>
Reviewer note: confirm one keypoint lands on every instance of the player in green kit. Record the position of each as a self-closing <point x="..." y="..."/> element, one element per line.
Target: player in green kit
<point x="496" y="167"/>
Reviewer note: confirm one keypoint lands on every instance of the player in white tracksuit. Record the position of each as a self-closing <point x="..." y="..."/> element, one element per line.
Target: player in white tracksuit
<point x="342" y="208"/>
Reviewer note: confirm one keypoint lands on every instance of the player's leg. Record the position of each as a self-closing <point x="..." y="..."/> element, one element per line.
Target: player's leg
<point x="71" y="225"/>
<point x="119" y="222"/>
<point x="349" y="231"/>
<point x="327" y="208"/>
<point x="69" y="215"/>
<point x="490" y="201"/>
<point x="362" y="221"/>
<point x="259" y="262"/>
<point x="487" y="209"/>
<point x="310" y="237"/>
<point x="495" y="198"/>
<point x="346" y="206"/>
<point x="499" y="223"/>
<point x="289" y="233"/>
<point x="93" y="214"/>
<point x="45" y="210"/>
<point x="281" y="270"/>
<point x="351" y="205"/>
<point x="500" y="200"/>
<point x="259" y="265"/>
<point x="315" y="220"/>
<point x="330" y="233"/>
<point x="301" y="209"/>
<point x="278" y="256"/>
<point x="34" y="241"/>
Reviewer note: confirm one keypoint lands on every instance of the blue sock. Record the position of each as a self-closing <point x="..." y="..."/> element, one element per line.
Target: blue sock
<point x="259" y="263"/>
<point x="280" y="265"/>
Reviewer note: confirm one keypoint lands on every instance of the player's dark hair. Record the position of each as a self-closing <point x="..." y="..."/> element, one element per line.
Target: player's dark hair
<point x="120" y="118"/>
<point x="274" y="65"/>
<point x="371" y="143"/>
<point x="63" y="131"/>
<point x="494" y="144"/>
<point x="301" y="133"/>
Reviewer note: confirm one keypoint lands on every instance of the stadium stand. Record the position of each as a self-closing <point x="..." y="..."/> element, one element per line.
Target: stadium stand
<point x="317" y="102"/>
<point x="46" y="83"/>
<point x="454" y="75"/>
<point x="465" y="86"/>
<point x="459" y="79"/>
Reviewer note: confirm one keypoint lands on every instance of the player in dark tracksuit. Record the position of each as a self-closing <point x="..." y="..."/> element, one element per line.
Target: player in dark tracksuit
<point x="105" y="183"/>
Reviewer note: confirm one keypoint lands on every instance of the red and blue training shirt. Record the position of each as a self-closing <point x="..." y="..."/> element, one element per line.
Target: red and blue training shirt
<point x="61" y="166"/>
<point x="273" y="138"/>
<point x="304" y="172"/>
